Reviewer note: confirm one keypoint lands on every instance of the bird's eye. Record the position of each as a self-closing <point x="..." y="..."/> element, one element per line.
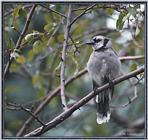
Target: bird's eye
<point x="96" y="40"/>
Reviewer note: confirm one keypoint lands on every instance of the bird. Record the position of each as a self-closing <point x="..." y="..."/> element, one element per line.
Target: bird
<point x="103" y="66"/>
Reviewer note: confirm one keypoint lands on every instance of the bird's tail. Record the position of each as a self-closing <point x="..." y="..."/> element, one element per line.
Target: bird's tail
<point x="103" y="110"/>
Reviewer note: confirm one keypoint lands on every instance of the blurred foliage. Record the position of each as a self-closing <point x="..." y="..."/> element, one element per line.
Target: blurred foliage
<point x="35" y="71"/>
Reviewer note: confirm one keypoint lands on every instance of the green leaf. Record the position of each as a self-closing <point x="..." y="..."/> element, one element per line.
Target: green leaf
<point x="20" y="59"/>
<point x="79" y="30"/>
<point x="14" y="67"/>
<point x="47" y="18"/>
<point x="16" y="11"/>
<point x="121" y="20"/>
<point x="38" y="47"/>
<point x="30" y="36"/>
<point x="22" y="12"/>
<point x="57" y="69"/>
<point x="48" y="27"/>
<point x="60" y="37"/>
<point x="109" y="11"/>
<point x="30" y="55"/>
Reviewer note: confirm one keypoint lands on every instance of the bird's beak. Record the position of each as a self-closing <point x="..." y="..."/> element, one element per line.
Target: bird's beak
<point x="90" y="43"/>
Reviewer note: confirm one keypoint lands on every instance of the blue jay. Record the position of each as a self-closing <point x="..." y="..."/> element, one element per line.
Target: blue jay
<point x="103" y="66"/>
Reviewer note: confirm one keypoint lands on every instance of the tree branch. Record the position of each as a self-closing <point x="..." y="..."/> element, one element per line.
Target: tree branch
<point x="21" y="107"/>
<point x="84" y="12"/>
<point x="76" y="48"/>
<point x="131" y="57"/>
<point x="116" y="7"/>
<point x="51" y="10"/>
<point x="20" y="38"/>
<point x="63" y="116"/>
<point x="63" y="59"/>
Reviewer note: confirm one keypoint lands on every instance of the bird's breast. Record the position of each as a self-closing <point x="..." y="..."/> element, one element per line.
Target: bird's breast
<point x="96" y="68"/>
<point x="100" y="63"/>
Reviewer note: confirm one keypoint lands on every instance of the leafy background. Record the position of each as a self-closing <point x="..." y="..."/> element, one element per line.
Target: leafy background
<point x="35" y="71"/>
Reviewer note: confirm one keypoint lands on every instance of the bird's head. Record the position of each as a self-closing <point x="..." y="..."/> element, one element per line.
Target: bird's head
<point x="100" y="42"/>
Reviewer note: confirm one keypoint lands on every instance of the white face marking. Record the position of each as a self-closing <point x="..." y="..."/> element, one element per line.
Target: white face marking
<point x="99" y="37"/>
<point x="99" y="42"/>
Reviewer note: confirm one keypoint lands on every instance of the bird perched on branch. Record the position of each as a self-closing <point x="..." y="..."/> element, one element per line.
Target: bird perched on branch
<point x="103" y="66"/>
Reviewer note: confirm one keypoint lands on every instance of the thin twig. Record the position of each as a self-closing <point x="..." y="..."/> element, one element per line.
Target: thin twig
<point x="34" y="116"/>
<point x="20" y="38"/>
<point x="84" y="12"/>
<point x="13" y="107"/>
<point x="117" y="7"/>
<point x="51" y="10"/>
<point x="63" y="116"/>
<point x="16" y="30"/>
<point x="130" y="100"/>
<point x="63" y="59"/>
<point x="131" y="57"/>
<point x="105" y="6"/>
<point x="21" y="107"/>
<point x="79" y="9"/>
<point x="76" y="48"/>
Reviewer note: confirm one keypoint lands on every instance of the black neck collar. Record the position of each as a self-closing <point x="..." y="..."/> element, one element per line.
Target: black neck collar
<point x="101" y="49"/>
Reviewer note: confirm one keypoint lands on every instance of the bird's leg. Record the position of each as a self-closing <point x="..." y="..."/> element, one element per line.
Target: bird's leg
<point x="111" y="84"/>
